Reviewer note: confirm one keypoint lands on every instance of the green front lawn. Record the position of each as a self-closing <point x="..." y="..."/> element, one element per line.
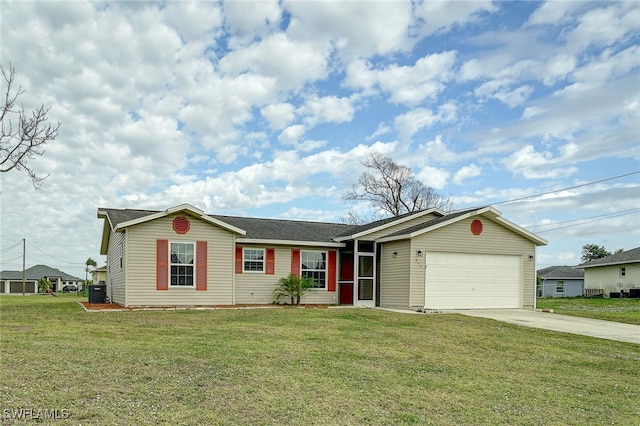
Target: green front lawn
<point x="305" y="366"/>
<point x="620" y="310"/>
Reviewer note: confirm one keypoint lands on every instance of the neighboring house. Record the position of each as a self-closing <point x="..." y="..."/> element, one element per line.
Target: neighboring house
<point x="427" y="259"/>
<point x="613" y="273"/>
<point x="99" y="275"/>
<point x="11" y="281"/>
<point x="560" y="281"/>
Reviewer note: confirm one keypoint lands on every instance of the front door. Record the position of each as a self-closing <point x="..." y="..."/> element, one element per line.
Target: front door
<point x="366" y="279"/>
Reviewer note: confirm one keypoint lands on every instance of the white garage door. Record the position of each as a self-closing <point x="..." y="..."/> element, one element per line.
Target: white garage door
<point x="472" y="281"/>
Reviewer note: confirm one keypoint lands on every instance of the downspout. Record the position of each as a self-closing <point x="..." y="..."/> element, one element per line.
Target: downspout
<point x="355" y="273"/>
<point x="233" y="271"/>
<point x="425" y="283"/>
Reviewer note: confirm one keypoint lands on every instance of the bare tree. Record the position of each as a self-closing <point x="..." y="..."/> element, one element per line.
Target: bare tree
<point x="22" y="136"/>
<point x="393" y="188"/>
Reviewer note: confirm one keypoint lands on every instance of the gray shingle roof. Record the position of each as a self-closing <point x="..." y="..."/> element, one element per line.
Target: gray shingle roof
<point x="256" y="228"/>
<point x="629" y="256"/>
<point x="356" y="229"/>
<point x="36" y="272"/>
<point x="561" y="272"/>
<point x="287" y="230"/>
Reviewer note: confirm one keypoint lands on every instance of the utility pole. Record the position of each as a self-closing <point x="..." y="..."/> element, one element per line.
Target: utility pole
<point x="24" y="251"/>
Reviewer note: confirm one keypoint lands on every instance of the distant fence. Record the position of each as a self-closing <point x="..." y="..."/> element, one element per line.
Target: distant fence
<point x="591" y="292"/>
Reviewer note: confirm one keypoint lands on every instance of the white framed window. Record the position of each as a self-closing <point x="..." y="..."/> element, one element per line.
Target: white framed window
<point x="313" y="264"/>
<point x="623" y="272"/>
<point x="560" y="287"/>
<point x="253" y="260"/>
<point x="181" y="268"/>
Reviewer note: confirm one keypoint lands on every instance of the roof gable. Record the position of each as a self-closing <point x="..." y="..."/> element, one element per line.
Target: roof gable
<point x="624" y="257"/>
<point x="359" y="231"/>
<point x="487" y="211"/>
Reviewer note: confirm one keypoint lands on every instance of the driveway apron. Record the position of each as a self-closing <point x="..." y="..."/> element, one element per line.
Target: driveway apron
<point x="564" y="323"/>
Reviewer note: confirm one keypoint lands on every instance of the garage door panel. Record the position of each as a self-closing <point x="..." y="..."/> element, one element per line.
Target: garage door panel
<point x="472" y="281"/>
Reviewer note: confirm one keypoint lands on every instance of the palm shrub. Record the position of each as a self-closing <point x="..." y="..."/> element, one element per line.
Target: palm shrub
<point x="292" y="287"/>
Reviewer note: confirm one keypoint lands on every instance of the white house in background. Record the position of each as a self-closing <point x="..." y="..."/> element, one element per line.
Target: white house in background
<point x="426" y="259"/>
<point x="11" y="281"/>
<point x="613" y="274"/>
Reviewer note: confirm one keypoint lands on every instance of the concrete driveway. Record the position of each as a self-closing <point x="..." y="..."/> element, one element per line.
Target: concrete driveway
<point x="564" y="323"/>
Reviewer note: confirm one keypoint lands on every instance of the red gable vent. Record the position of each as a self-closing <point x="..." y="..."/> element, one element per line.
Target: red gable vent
<point x="181" y="225"/>
<point x="476" y="227"/>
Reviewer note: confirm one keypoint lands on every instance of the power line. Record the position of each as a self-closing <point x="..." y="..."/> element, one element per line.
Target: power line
<point x="52" y="256"/>
<point x="587" y="221"/>
<point x="602" y="216"/>
<point x="12" y="247"/>
<point x="565" y="189"/>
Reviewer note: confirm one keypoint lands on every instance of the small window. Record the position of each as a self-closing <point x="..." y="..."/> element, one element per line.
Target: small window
<point x="623" y="272"/>
<point x="560" y="287"/>
<point x="314" y="265"/>
<point x="182" y="256"/>
<point x="253" y="260"/>
<point x="366" y="246"/>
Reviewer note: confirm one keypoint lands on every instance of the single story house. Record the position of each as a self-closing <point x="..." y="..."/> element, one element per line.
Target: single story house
<point x="560" y="281"/>
<point x="11" y="281"/>
<point x="99" y="275"/>
<point x="425" y="259"/>
<point x="614" y="273"/>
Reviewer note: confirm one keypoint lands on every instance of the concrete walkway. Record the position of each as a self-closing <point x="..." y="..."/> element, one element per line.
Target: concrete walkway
<point x="564" y="323"/>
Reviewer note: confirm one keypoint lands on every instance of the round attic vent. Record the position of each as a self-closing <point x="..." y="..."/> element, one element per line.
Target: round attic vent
<point x="181" y="225"/>
<point x="476" y="227"/>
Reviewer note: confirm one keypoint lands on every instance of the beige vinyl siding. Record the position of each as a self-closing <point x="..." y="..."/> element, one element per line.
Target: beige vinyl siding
<point x="257" y="288"/>
<point x="395" y="274"/>
<point x="116" y="275"/>
<point x="495" y="239"/>
<point x="608" y="277"/>
<point x="395" y="228"/>
<point x="141" y="264"/>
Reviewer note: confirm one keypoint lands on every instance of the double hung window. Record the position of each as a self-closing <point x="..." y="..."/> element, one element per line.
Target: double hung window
<point x="314" y="265"/>
<point x="181" y="264"/>
<point x="253" y="260"/>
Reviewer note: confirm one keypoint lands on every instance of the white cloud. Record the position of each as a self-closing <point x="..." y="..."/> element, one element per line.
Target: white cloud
<point x="413" y="121"/>
<point x="466" y="172"/>
<point x="408" y="85"/>
<point x="441" y="16"/>
<point x="537" y="165"/>
<point x="433" y="176"/>
<point x="327" y="109"/>
<point x="292" y="134"/>
<point x="279" y="115"/>
<point x="353" y="30"/>
<point x="271" y="58"/>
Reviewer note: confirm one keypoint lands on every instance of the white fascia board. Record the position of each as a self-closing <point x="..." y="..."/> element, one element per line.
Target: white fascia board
<point x="241" y="241"/>
<point x="391" y="223"/>
<point x="428" y="229"/>
<point x="489" y="212"/>
<point x="193" y="211"/>
<point x="523" y="232"/>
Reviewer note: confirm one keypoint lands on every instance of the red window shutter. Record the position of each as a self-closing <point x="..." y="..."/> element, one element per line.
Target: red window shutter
<point x="162" y="264"/>
<point x="201" y="265"/>
<point x="331" y="279"/>
<point x="238" y="260"/>
<point x="295" y="262"/>
<point x="270" y="265"/>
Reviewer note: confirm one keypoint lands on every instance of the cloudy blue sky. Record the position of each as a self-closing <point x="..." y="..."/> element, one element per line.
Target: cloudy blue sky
<point x="267" y="108"/>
